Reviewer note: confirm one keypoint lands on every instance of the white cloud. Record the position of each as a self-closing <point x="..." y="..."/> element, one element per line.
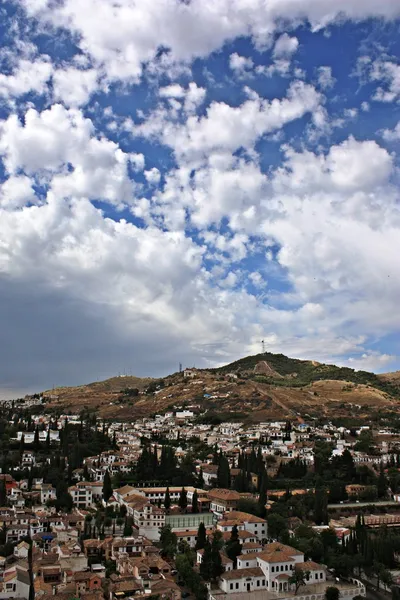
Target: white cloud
<point x="74" y="86"/>
<point x="240" y="64"/>
<point x="16" y="191"/>
<point x="192" y="97"/>
<point x="388" y="72"/>
<point x="392" y="135"/>
<point x="334" y="221"/>
<point x="371" y="361"/>
<point x="153" y="176"/>
<point x="61" y="145"/>
<point x="325" y="78"/>
<point x="285" y="46"/>
<point x="226" y="128"/>
<point x="28" y="76"/>
<point x="174" y="90"/>
<point x="110" y="34"/>
<point x="257" y="280"/>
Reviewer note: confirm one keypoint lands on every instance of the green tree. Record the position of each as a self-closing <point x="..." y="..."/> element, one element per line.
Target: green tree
<point x="107" y="487"/>
<point x="128" y="529"/>
<point x="332" y="593"/>
<point x="183" y="499"/>
<point x="217" y="566"/>
<point x="36" y="442"/>
<point x="201" y="537"/>
<point x="3" y="493"/>
<point x="167" y="500"/>
<point x="233" y="546"/>
<point x="22" y="445"/>
<point x="206" y="566"/>
<point x="195" y="502"/>
<point x="223" y="472"/>
<point x="168" y="542"/>
<point x="262" y="498"/>
<point x="382" y="484"/>
<point x="321" y="506"/>
<point x="276" y="525"/>
<point x="298" y="578"/>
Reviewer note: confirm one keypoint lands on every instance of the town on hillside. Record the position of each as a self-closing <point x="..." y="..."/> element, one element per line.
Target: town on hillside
<point x="180" y="504"/>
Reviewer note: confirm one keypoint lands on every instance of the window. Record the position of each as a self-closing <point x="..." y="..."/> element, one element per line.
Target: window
<point x="237" y="586"/>
<point x="281" y="567"/>
<point x="247" y="564"/>
<point x="263" y="582"/>
<point x="321" y="575"/>
<point x="286" y="567"/>
<point x="231" y="586"/>
<point x="272" y="569"/>
<point x="316" y="575"/>
<point x="258" y="583"/>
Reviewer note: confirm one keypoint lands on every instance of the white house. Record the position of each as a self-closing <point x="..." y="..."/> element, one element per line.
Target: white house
<point x="82" y="496"/>
<point x="47" y="492"/>
<point x="245" y="522"/>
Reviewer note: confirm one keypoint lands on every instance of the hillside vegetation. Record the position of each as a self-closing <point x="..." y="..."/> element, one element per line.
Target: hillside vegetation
<point x="264" y="387"/>
<point x="298" y="373"/>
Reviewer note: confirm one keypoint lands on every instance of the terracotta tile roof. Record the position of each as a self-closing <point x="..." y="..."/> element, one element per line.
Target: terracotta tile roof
<point x="245" y="517"/>
<point x="251" y="545"/>
<point x="240" y="573"/>
<point x="309" y="565"/>
<point x="243" y="535"/>
<point x="223" y="494"/>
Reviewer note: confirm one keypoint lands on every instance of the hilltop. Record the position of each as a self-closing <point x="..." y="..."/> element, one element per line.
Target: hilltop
<point x="255" y="388"/>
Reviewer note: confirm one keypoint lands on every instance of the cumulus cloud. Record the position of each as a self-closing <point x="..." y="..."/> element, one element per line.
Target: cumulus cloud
<point x="74" y="86"/>
<point x="240" y="64"/>
<point x="111" y="37"/>
<point x="392" y="135"/>
<point x="227" y="128"/>
<point x="27" y="76"/>
<point x="61" y="144"/>
<point x="389" y="73"/>
<point x="297" y="246"/>
<point x="325" y="78"/>
<point x="153" y="176"/>
<point x="285" y="46"/>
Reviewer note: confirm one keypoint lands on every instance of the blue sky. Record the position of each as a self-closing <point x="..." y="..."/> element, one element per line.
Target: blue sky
<point x="181" y="180"/>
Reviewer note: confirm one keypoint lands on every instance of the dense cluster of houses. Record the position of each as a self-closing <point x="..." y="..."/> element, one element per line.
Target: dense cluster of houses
<point x="62" y="564"/>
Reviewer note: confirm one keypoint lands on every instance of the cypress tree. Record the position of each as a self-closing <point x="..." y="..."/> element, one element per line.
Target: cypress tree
<point x="262" y="498"/>
<point x="183" y="499"/>
<point x="201" y="537"/>
<point x="321" y="506"/>
<point x="223" y="473"/>
<point x="22" y="444"/>
<point x="107" y="487"/>
<point x="200" y="480"/>
<point x="36" y="439"/>
<point x="195" y="502"/>
<point x="206" y="565"/>
<point x="167" y="500"/>
<point x="233" y="546"/>
<point x="382" y="484"/>
<point x="217" y="566"/>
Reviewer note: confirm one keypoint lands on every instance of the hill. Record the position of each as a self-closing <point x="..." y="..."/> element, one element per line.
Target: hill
<point x="256" y="388"/>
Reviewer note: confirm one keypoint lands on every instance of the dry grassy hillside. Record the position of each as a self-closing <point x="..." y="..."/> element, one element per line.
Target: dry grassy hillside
<point x="255" y="393"/>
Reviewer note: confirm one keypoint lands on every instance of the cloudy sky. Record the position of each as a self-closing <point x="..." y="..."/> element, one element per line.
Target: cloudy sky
<point x="181" y="179"/>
